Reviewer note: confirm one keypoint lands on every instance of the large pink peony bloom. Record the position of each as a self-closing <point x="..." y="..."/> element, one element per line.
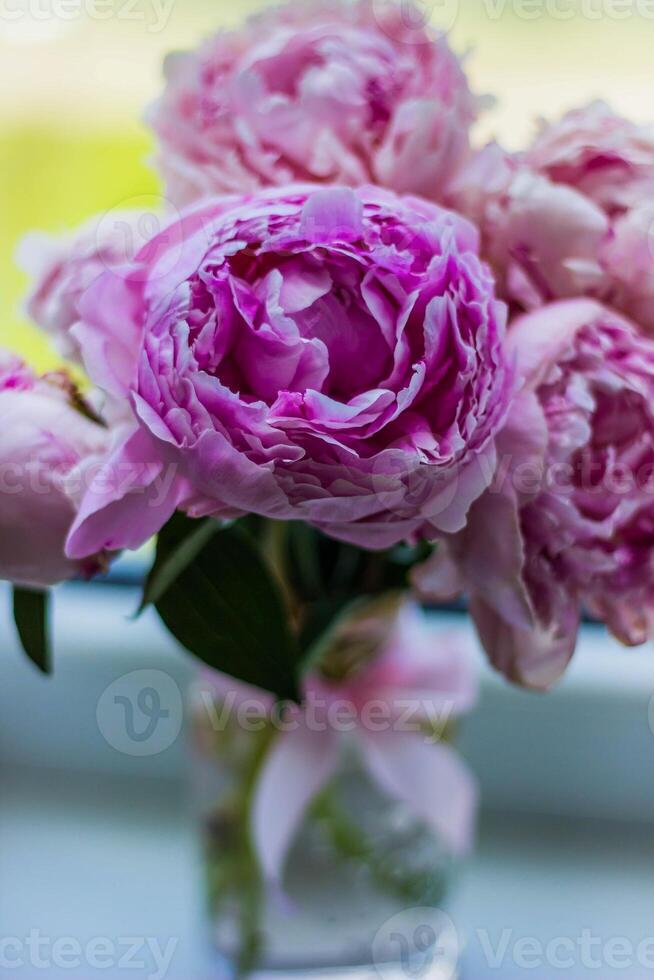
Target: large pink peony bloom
<point x="320" y="90"/>
<point x="325" y="355"/>
<point x="572" y="216"/>
<point x="46" y="444"/>
<point x="63" y="267"/>
<point x="569" y="521"/>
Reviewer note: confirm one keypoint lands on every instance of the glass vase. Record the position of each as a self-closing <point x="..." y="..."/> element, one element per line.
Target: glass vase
<point x="365" y="881"/>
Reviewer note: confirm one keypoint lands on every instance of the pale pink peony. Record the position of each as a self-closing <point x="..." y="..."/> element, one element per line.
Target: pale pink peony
<point x="568" y="524"/>
<point x="317" y="354"/>
<point x="572" y="216"/>
<point x="543" y="240"/>
<point x="46" y="444"/>
<point x="321" y="90"/>
<point x="610" y="160"/>
<point x="604" y="156"/>
<point x="62" y="267"/>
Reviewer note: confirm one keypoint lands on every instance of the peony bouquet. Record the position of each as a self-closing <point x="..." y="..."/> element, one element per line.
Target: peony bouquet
<point x="359" y="363"/>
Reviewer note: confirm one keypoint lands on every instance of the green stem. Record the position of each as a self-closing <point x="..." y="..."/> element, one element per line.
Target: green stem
<point x="233" y="868"/>
<point x="353" y="844"/>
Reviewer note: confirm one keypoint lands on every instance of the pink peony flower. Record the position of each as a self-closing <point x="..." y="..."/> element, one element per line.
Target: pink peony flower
<point x="605" y="157"/>
<point x="542" y="240"/>
<point x="321" y="90"/>
<point x="325" y="355"/>
<point x="628" y="258"/>
<point x="63" y="267"/>
<point x="45" y="445"/>
<point x="568" y="524"/>
<point x="572" y="216"/>
<point x="610" y="160"/>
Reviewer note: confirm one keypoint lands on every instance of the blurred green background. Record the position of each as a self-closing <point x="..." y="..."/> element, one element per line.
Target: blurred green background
<point x="75" y="78"/>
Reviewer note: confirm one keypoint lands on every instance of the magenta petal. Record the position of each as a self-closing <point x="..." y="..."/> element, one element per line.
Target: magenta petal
<point x="447" y="508"/>
<point x="302" y="285"/>
<point x="439" y="579"/>
<point x="110" y="330"/>
<point x="537" y="339"/>
<point x="534" y="658"/>
<point x="431" y="779"/>
<point x="220" y="472"/>
<point x="419" y="664"/>
<point x="130" y="498"/>
<point x="332" y="214"/>
<point x="298" y="765"/>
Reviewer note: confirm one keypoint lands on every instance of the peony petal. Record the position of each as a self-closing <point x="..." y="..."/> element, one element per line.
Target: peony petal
<point x="334" y="214"/>
<point x="110" y="330"/>
<point x="130" y="497"/>
<point x="538" y="339"/>
<point x="534" y="658"/>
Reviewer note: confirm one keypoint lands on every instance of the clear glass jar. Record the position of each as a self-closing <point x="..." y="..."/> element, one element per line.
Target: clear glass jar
<point x="363" y="884"/>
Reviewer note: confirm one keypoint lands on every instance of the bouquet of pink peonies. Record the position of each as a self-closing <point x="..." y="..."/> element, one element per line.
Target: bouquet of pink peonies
<point x="360" y="360"/>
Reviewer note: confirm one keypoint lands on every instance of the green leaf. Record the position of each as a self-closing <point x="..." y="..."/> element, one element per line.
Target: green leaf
<point x="31" y="615"/>
<point x="318" y="618"/>
<point x="225" y="607"/>
<point x="321" y="625"/>
<point x="179" y="542"/>
<point x="320" y="568"/>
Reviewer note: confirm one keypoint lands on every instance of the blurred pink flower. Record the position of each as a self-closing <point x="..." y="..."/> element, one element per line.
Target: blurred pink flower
<point x="573" y="216"/>
<point x="569" y="522"/>
<point x="322" y="90"/>
<point x="46" y="444"/>
<point x="543" y="241"/>
<point x="398" y="705"/>
<point x="62" y="267"/>
<point x="604" y="156"/>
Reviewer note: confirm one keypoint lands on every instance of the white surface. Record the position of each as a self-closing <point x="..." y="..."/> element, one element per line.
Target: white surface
<point x="585" y="750"/>
<point x="91" y="857"/>
<point x="96" y="844"/>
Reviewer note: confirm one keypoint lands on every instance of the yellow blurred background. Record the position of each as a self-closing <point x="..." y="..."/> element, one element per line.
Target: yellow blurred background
<point x="75" y="76"/>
